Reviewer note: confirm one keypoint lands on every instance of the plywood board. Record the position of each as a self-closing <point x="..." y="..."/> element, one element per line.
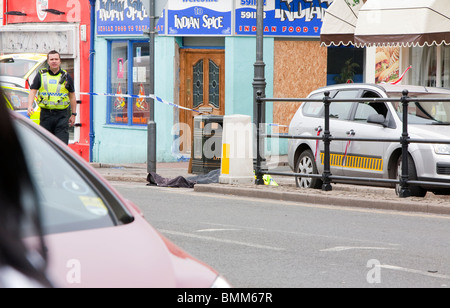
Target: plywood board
<point x="299" y="68"/>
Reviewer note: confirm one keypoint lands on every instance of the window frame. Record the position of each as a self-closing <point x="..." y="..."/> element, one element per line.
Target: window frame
<point x="130" y="64"/>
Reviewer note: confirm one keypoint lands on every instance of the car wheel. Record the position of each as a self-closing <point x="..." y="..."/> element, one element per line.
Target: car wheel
<point x="306" y="164"/>
<point x="416" y="191"/>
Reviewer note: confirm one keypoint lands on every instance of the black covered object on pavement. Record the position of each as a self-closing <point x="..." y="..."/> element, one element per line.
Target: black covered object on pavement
<point x="155" y="179"/>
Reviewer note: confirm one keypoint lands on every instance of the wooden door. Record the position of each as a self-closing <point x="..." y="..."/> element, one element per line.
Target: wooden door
<point x="202" y="88"/>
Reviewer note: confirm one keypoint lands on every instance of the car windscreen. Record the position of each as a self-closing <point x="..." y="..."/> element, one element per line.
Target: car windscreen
<point x="426" y="112"/>
<point x="16" y="67"/>
<point x="68" y="202"/>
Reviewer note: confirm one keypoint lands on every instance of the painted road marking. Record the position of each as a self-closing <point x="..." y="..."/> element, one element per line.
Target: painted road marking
<point x="413" y="271"/>
<point x="214" y="230"/>
<point x="209" y="238"/>
<point x="343" y="248"/>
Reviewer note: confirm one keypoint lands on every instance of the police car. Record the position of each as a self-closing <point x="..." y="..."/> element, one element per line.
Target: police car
<point x="18" y="70"/>
<point x="17" y="100"/>
<point x="426" y="120"/>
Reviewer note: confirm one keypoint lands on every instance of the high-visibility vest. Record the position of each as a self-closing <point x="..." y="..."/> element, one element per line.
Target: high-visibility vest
<point x="53" y="93"/>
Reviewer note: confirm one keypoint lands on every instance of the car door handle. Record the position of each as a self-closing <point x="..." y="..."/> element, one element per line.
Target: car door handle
<point x="318" y="129"/>
<point x="350" y="132"/>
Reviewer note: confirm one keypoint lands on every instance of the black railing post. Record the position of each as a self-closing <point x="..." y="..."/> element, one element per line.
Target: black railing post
<point x="404" y="140"/>
<point x="326" y="186"/>
<point x="258" y="172"/>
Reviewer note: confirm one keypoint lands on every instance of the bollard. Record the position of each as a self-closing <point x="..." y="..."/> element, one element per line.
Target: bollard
<point x="237" y="150"/>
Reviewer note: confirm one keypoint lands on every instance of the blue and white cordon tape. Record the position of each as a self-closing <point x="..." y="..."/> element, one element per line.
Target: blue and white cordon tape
<point x="158" y="99"/>
<point x="139" y="96"/>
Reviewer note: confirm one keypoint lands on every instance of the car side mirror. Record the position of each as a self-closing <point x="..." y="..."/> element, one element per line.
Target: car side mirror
<point x="377" y="119"/>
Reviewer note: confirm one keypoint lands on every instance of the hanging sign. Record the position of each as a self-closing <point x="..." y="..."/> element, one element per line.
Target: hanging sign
<point x="282" y="17"/>
<point x="121" y="17"/>
<point x="199" y="17"/>
<point x="291" y="18"/>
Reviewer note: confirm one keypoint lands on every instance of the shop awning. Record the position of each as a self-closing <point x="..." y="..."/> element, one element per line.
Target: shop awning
<point x="403" y="22"/>
<point x="339" y="23"/>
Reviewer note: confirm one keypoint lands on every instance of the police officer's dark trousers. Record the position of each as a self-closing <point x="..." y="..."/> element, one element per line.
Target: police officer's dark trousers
<point x="56" y="121"/>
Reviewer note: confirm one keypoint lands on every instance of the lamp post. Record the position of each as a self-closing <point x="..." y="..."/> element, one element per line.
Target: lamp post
<point x="151" y="125"/>
<point x="152" y="6"/>
<point x="259" y="88"/>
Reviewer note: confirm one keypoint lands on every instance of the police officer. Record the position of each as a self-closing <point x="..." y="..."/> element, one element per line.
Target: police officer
<point x="56" y="97"/>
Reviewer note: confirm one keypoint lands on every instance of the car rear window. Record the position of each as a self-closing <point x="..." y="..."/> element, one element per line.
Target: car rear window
<point x="16" y="67"/>
<point x="338" y="110"/>
<point x="313" y="109"/>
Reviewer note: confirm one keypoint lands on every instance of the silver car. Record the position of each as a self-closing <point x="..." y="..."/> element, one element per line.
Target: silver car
<point x="426" y="120"/>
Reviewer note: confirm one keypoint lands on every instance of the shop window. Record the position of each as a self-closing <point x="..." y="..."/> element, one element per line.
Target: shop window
<point x="129" y="75"/>
<point x="445" y="66"/>
<point x="344" y="65"/>
<point x="425" y="66"/>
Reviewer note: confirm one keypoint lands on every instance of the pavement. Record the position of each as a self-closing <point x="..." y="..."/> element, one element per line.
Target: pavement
<point x="356" y="196"/>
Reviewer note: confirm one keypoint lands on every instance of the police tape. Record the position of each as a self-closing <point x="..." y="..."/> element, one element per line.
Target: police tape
<point x="125" y="96"/>
<point x="159" y="100"/>
<point x="154" y="97"/>
<point x="276" y="125"/>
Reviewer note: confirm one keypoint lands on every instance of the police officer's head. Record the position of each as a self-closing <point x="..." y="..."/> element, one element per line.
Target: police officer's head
<point x="54" y="60"/>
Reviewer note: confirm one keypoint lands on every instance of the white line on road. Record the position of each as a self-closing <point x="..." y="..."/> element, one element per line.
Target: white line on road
<point x="409" y="270"/>
<point x="209" y="238"/>
<point x="271" y="230"/>
<point x="214" y="230"/>
<point x="342" y="248"/>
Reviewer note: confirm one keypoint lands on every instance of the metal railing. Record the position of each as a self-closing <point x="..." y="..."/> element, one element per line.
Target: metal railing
<point x="327" y="138"/>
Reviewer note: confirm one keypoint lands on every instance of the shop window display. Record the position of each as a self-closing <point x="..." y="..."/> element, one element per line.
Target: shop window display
<point x="129" y="67"/>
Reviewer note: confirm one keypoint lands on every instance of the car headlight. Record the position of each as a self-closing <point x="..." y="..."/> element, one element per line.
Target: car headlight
<point x="220" y="282"/>
<point x="442" y="149"/>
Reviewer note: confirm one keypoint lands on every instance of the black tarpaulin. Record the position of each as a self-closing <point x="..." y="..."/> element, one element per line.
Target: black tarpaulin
<point x="155" y="179"/>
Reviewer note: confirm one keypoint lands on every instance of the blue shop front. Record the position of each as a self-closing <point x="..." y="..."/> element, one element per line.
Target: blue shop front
<point x="204" y="64"/>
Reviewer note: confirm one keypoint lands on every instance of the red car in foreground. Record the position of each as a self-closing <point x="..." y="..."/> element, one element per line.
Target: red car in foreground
<point x="94" y="237"/>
